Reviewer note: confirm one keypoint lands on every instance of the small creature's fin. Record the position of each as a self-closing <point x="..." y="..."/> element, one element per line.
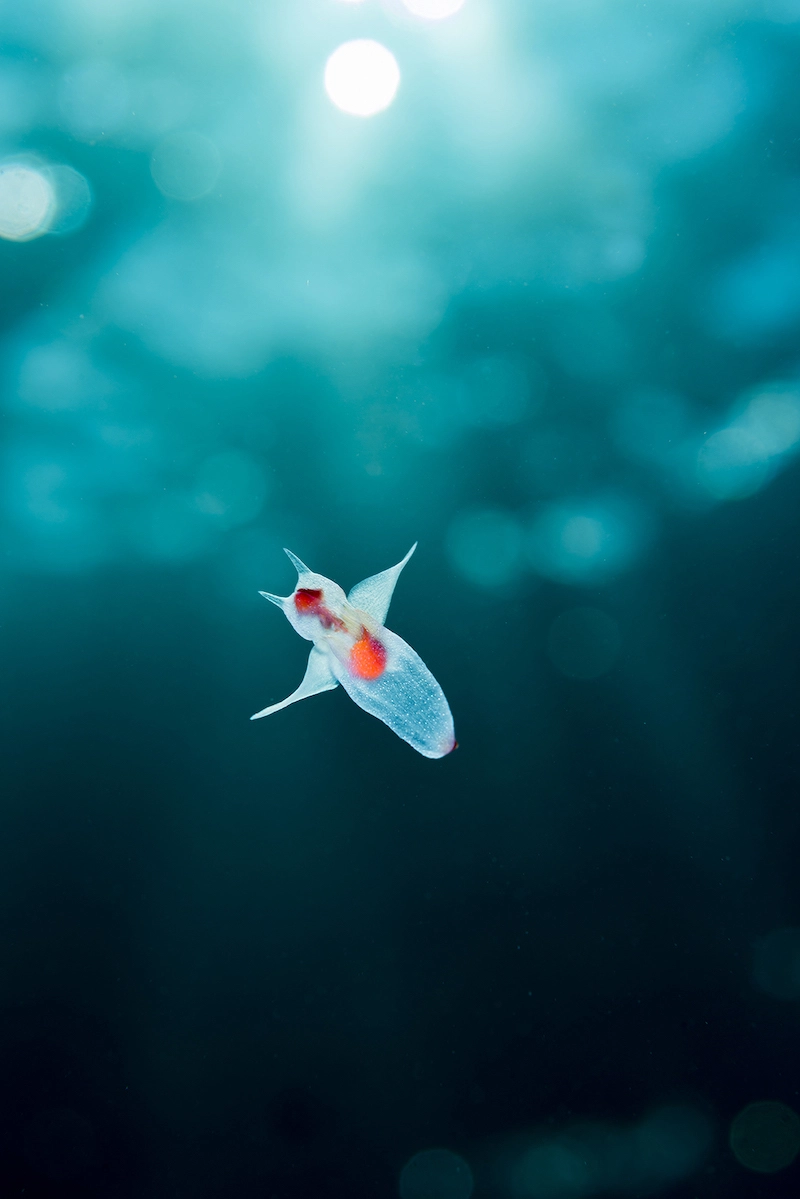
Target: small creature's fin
<point x="374" y="594"/>
<point x="299" y="566"/>
<point x="278" y="600"/>
<point x="317" y="678"/>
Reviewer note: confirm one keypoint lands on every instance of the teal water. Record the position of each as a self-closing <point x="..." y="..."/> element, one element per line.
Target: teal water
<point x="519" y="281"/>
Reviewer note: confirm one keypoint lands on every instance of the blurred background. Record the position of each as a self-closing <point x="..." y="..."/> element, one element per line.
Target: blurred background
<point x="517" y="279"/>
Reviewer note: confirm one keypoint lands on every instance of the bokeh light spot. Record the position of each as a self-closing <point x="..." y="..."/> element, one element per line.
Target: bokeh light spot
<point x="485" y="546"/>
<point x="73" y="197"/>
<point x="733" y="464"/>
<point x="670" y="1144"/>
<point x="59" y="376"/>
<point x="584" y="543"/>
<point x="583" y="643"/>
<point x="435" y="1174"/>
<point x="776" y="963"/>
<point x="362" y="77"/>
<point x="552" y="1171"/>
<point x="583" y="536"/>
<point x="773" y="418"/>
<point x="59" y="528"/>
<point x="765" y="1136"/>
<point x="588" y="1159"/>
<point x="27" y="202"/>
<point x="185" y="166"/>
<point x="737" y="460"/>
<point x="433" y="10"/>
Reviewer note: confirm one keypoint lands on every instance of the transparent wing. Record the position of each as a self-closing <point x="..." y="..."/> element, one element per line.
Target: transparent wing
<point x="406" y="697"/>
<point x="374" y="594"/>
<point x="318" y="677"/>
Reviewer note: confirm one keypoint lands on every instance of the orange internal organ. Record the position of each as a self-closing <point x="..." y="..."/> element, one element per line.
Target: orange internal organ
<point x="368" y="657"/>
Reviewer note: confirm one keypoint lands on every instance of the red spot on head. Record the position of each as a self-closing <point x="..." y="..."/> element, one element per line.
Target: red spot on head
<point x="368" y="657"/>
<point x="307" y="601"/>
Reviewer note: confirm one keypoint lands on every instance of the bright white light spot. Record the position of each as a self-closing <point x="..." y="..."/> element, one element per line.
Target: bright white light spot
<point x="185" y="166"/>
<point x="583" y="643"/>
<point x="362" y="77"/>
<point x="27" y="202"/>
<point x="485" y="546"/>
<point x="433" y="10"/>
<point x="435" y="1174"/>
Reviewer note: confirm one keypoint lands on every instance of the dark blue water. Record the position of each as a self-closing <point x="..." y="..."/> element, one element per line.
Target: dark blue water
<point x="518" y="281"/>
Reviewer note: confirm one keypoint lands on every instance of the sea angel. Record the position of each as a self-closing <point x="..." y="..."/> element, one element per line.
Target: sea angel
<point x="376" y="668"/>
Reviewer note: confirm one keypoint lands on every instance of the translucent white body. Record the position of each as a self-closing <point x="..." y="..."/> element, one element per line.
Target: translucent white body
<point x="351" y="646"/>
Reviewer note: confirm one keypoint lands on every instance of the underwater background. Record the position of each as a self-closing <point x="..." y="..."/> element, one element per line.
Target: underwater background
<point x="518" y="280"/>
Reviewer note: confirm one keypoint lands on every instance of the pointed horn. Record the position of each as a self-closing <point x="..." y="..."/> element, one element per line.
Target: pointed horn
<point x="278" y="600"/>
<point x="299" y="566"/>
